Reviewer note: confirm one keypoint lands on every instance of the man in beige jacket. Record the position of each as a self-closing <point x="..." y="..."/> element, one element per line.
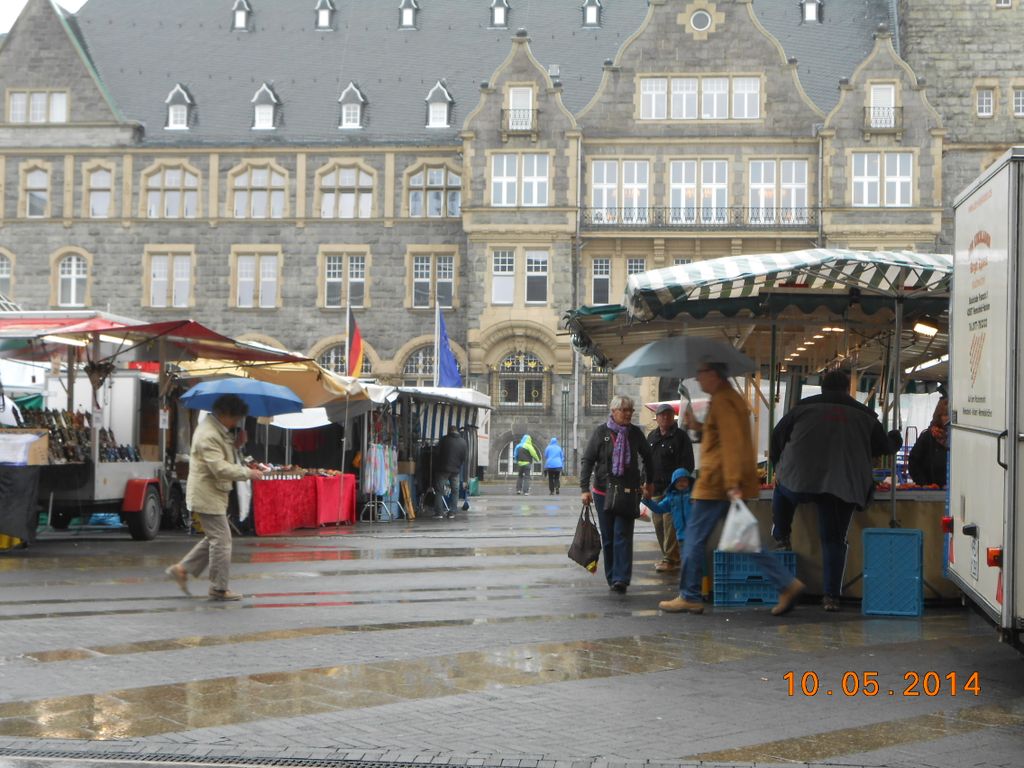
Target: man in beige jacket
<point x="213" y="467"/>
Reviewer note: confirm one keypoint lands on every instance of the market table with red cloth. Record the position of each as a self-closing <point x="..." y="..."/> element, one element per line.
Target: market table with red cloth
<point x="282" y="506"/>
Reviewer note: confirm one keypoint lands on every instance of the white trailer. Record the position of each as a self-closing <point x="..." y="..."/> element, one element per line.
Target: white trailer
<point x="986" y="489"/>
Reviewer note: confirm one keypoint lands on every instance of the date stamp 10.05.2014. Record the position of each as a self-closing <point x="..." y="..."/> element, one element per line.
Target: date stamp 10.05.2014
<point x="929" y="684"/>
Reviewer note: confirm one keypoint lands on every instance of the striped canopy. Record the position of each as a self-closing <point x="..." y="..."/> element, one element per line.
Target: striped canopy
<point x="664" y="292"/>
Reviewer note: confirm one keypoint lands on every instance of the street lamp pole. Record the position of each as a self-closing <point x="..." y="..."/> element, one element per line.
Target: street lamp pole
<point x="565" y="415"/>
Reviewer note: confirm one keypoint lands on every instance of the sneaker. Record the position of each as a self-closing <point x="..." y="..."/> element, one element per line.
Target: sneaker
<point x="519" y="493"/>
<point x="224" y="595"/>
<point x="783" y="545"/>
<point x="788" y="597"/>
<point x="681" y="605"/>
<point x="831" y="604"/>
<point x="439" y="515"/>
<point x="180" y="576"/>
<point x="526" y="493"/>
<point x="450" y="515"/>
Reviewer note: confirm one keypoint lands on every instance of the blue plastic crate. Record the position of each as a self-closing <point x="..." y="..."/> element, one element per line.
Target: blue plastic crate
<point x="741" y="566"/>
<point x="893" y="567"/>
<point x="747" y="592"/>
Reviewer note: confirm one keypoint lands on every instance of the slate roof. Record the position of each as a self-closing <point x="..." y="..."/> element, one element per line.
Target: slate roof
<point x="142" y="48"/>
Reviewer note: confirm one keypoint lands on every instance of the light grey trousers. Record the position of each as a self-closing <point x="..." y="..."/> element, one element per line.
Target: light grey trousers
<point x="214" y="550"/>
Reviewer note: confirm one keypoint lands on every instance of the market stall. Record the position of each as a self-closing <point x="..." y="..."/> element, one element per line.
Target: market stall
<point x="880" y="314"/>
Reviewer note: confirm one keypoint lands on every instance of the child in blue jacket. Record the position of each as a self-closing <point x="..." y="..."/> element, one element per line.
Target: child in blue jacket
<point x="675" y="502"/>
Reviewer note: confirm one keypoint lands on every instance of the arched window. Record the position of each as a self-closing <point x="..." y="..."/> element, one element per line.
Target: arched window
<point x="334" y="360"/>
<point x="346" y="192"/>
<point x="418" y="370"/>
<point x="258" y="192"/>
<point x="100" y="190"/>
<point x="435" y="192"/>
<point x="172" y="192"/>
<point x="521" y="380"/>
<point x="73" y="277"/>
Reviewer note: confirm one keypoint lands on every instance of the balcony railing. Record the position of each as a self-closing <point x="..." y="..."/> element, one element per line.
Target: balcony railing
<point x="518" y="120"/>
<point x="883" y="119"/>
<point x="697" y="218"/>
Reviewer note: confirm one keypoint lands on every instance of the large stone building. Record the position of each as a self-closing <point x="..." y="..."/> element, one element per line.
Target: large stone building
<point x="262" y="165"/>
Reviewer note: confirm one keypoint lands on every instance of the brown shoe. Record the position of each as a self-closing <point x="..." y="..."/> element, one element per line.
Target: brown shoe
<point x="679" y="605"/>
<point x="224" y="595"/>
<point x="180" y="576"/>
<point x="666" y="565"/>
<point x="788" y="597"/>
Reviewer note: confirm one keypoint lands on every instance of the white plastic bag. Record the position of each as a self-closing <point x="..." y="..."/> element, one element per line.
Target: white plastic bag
<point x="740" y="533"/>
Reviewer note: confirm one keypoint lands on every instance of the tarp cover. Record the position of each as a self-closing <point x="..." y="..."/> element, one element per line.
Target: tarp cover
<point x="18" y="489"/>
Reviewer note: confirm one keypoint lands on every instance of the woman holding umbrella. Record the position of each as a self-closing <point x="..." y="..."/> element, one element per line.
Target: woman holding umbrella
<point x="213" y="468"/>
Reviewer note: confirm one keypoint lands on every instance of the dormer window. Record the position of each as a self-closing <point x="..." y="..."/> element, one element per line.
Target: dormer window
<point x="352" y="101"/>
<point x="265" y="109"/>
<point x="241" y="11"/>
<point x="179" y="106"/>
<point x="407" y="14"/>
<point x="439" y="106"/>
<point x="499" y="13"/>
<point x="812" y="10"/>
<point x="591" y="13"/>
<point x="324" y="14"/>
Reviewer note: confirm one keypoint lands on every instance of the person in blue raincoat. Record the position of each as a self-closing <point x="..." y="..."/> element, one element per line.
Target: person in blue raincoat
<point x="554" y="460"/>
<point x="675" y="502"/>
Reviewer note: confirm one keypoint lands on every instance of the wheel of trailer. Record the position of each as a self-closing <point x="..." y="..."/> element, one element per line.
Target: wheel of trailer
<point x="60" y="519"/>
<point x="144" y="524"/>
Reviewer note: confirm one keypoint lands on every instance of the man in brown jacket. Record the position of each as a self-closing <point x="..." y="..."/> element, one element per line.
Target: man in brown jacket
<point x="728" y="473"/>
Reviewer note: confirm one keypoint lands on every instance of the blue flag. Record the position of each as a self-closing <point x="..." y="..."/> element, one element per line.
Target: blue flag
<point x="447" y="369"/>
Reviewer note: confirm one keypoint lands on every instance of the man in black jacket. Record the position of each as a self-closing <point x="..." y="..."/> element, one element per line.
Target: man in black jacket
<point x="451" y="455"/>
<point x="823" y="452"/>
<point x="670" y="449"/>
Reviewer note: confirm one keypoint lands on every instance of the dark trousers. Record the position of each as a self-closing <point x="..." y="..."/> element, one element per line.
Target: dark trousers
<point x="554" y="479"/>
<point x="446" y="485"/>
<point x="616" y="543"/>
<point x="834" y="516"/>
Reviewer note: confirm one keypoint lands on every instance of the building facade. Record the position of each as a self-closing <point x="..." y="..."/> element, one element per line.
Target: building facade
<point x="263" y="166"/>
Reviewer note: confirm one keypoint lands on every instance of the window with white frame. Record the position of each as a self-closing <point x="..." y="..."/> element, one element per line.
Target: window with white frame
<point x="499" y="13"/>
<point x="344" y="278"/>
<point x="433" y="280"/>
<point x="73" y="280"/>
<point x="438" y="115"/>
<point x="898" y="179"/>
<point x="263" y="117"/>
<point x="324" y="12"/>
<point x="240" y="12"/>
<point x="1004" y="3"/>
<point x="714" y="98"/>
<point x="1018" y="102"/>
<point x="37" y="193"/>
<point x="352" y="115"/>
<point x="435" y="192"/>
<point x="604" y="190"/>
<point x="599" y="385"/>
<point x="793" y="192"/>
<point x="170" y="279"/>
<point x="762" y="191"/>
<point x="883" y="106"/>
<point x="520" y="109"/>
<point x="866" y="179"/>
<point x="258" y="192"/>
<point x="653" y="98"/>
<point x="536" y="277"/>
<point x="986" y="102"/>
<point x="346" y="192"/>
<point x="172" y="192"/>
<point x="177" y="117"/>
<point x="592" y="13"/>
<point x="521" y="379"/>
<point x="334" y="360"/>
<point x="6" y="271"/>
<point x="811" y="10"/>
<point x="407" y="14"/>
<point x="256" y="281"/>
<point x="37" y="107"/>
<point x="634" y="190"/>
<point x="504" y="179"/>
<point x="601" y="281"/>
<point x="680" y="261"/>
<point x="746" y="98"/>
<point x="684" y="98"/>
<point x="714" y="191"/>
<point x="503" y="276"/>
<point x="683" y="191"/>
<point x="100" y="190"/>
<point x="635" y="266"/>
<point x="535" y="180"/>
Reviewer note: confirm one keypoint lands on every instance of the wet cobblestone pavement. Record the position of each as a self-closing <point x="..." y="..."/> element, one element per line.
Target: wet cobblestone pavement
<point x="472" y="641"/>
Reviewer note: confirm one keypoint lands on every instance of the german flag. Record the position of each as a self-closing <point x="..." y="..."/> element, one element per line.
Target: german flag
<point x="354" y="353"/>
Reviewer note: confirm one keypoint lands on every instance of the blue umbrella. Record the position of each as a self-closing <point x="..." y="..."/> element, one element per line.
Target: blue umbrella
<point x="263" y="399"/>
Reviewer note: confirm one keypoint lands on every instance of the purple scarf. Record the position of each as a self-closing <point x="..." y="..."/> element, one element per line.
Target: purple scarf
<point x="620" y="450"/>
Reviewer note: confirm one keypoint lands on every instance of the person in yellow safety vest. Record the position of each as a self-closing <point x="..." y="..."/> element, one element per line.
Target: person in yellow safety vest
<point x="525" y="455"/>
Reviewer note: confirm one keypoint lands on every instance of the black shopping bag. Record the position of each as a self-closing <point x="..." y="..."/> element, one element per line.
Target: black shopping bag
<point x="586" y="544"/>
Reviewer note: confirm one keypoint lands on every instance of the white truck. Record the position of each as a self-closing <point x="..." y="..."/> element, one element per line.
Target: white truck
<point x="986" y="489"/>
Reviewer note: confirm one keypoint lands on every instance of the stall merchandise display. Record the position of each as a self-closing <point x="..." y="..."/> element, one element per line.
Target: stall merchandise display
<point x="289" y="471"/>
<point x="380" y="470"/>
<point x="71" y="437"/>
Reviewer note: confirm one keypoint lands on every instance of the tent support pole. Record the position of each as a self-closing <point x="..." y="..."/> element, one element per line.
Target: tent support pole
<point x="894" y="370"/>
<point x="772" y="379"/>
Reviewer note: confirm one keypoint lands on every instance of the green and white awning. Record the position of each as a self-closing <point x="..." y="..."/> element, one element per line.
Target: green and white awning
<point x="664" y="292"/>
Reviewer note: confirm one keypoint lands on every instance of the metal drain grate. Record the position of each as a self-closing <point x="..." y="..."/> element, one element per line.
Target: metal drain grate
<point x="232" y="760"/>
